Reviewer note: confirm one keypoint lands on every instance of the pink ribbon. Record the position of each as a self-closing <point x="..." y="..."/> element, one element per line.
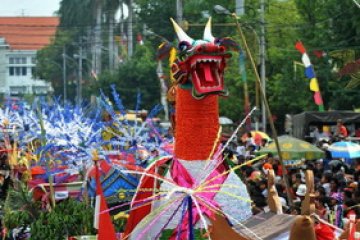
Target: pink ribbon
<point x="182" y="177"/>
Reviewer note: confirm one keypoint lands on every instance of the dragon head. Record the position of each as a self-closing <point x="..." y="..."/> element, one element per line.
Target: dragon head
<point x="200" y="64"/>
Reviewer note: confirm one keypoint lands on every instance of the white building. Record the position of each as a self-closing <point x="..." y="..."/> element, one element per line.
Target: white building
<point x="20" y="39"/>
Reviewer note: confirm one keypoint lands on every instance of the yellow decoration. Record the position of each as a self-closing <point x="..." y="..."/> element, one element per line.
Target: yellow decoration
<point x="172" y="58"/>
<point x="215" y="143"/>
<point x="95" y="155"/>
<point x="285" y="155"/>
<point x="5" y="122"/>
<point x="305" y="145"/>
<point x="287" y="145"/>
<point x="309" y="155"/>
<point x="14" y="155"/>
<point x="314" y="86"/>
<point x="121" y="195"/>
<point x="121" y="215"/>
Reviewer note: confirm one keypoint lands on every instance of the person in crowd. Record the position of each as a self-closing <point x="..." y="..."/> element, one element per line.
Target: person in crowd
<point x="325" y="182"/>
<point x="300" y="193"/>
<point x="265" y="169"/>
<point x="264" y="143"/>
<point x="341" y="131"/>
<point x="334" y="186"/>
<point x="241" y="149"/>
<point x="263" y="187"/>
<point x="321" y="207"/>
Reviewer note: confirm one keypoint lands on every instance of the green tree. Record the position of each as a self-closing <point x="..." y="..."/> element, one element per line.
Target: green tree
<point x="50" y="62"/>
<point x="332" y="26"/>
<point x="282" y="80"/>
<point x="135" y="75"/>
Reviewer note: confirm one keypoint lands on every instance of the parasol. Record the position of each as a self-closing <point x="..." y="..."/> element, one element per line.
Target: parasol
<point x="293" y="148"/>
<point x="344" y="150"/>
<point x="225" y="121"/>
<point x="258" y="136"/>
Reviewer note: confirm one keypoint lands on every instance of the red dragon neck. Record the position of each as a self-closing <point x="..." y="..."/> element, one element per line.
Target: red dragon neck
<point x="197" y="125"/>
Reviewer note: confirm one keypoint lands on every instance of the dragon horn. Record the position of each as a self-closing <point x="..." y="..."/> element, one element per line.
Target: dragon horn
<point x="207" y="32"/>
<point x="182" y="36"/>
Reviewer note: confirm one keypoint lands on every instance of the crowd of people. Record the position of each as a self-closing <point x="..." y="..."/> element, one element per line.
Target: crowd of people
<point x="336" y="181"/>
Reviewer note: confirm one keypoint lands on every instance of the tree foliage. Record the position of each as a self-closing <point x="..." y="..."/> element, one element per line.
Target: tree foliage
<point x="137" y="75"/>
<point x="328" y="26"/>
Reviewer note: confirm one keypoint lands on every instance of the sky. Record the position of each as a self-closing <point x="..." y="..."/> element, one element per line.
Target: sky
<point x="28" y="7"/>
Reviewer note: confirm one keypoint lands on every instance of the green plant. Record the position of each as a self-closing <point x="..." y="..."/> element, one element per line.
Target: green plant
<point x="19" y="208"/>
<point x="69" y="218"/>
<point x="198" y="234"/>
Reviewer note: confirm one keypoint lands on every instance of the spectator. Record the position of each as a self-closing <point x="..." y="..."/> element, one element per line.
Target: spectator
<point x="325" y="182"/>
<point x="300" y="193"/>
<point x="341" y="131"/>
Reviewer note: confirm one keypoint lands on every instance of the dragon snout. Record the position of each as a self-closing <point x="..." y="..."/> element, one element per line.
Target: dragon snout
<point x="210" y="48"/>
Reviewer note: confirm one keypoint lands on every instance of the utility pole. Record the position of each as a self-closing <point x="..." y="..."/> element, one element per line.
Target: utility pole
<point x="179" y="12"/>
<point x="262" y="62"/>
<point x="64" y="73"/>
<point x="97" y="45"/>
<point x="111" y="45"/>
<point x="163" y="90"/>
<point x="130" y="29"/>
<point x="79" y="85"/>
<point x="239" y="5"/>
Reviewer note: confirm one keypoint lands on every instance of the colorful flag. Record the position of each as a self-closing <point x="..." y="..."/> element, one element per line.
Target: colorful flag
<point x="319" y="53"/>
<point x="314" y="86"/>
<point x="310" y="74"/>
<point x="102" y="219"/>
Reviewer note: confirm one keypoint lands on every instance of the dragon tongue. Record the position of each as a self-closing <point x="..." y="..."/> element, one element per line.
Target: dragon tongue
<point x="207" y="72"/>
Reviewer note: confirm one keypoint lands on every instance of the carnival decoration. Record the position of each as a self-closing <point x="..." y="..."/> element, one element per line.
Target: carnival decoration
<point x="197" y="184"/>
<point x="310" y="74"/>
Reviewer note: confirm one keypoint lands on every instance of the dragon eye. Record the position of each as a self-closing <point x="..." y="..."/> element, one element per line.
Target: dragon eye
<point x="217" y="41"/>
<point x="184" y="45"/>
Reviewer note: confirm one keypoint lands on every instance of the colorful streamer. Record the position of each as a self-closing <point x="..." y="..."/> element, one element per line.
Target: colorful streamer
<point x="310" y="74"/>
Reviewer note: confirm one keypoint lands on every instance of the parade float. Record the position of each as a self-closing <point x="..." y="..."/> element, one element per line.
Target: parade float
<point x="187" y="191"/>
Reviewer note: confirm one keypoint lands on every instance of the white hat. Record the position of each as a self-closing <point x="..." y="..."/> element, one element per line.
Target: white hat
<point x="301" y="190"/>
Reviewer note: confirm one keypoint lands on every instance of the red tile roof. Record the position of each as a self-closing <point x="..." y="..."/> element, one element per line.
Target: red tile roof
<point x="28" y="33"/>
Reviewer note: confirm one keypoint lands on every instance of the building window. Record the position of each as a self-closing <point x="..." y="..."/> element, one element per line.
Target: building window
<point x="33" y="60"/>
<point x="17" y="66"/>
<point x="17" y="60"/>
<point x="17" y="71"/>
<point x="16" y="90"/>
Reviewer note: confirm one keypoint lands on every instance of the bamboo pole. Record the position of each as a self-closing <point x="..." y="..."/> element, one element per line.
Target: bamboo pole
<point x="274" y="132"/>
